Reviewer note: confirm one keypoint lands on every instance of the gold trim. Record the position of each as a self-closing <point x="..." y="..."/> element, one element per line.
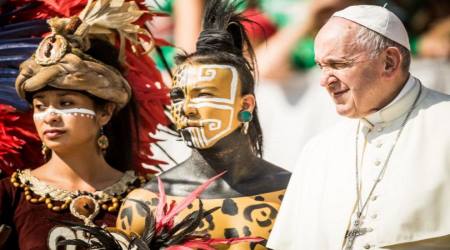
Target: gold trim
<point x="43" y="189"/>
<point x="108" y="199"/>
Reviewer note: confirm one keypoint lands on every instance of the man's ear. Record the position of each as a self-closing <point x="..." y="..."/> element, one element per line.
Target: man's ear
<point x="105" y="113"/>
<point x="392" y="61"/>
<point x="248" y="102"/>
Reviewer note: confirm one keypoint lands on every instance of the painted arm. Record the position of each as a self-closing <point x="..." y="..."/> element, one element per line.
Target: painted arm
<point x="131" y="217"/>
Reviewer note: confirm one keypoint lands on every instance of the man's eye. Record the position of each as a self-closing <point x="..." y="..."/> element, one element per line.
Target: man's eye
<point x="176" y="94"/>
<point x="339" y="65"/>
<point x="205" y="95"/>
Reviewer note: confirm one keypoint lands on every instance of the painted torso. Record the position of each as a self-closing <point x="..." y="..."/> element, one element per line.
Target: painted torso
<point x="243" y="216"/>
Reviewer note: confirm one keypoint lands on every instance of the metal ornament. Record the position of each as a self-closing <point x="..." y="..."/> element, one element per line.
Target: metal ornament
<point x="245" y="117"/>
<point x="103" y="141"/>
<point x="85" y="207"/>
<point x="52" y="49"/>
<point x="45" y="151"/>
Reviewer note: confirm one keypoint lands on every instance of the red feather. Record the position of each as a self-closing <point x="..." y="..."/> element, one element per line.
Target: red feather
<point x="189" y="199"/>
<point x="162" y="201"/>
<point x="209" y="243"/>
<point x="178" y="247"/>
<point x="143" y="76"/>
<point x="19" y="142"/>
<point x="152" y="96"/>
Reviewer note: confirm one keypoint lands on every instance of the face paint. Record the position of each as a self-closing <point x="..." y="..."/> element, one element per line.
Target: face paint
<point x="205" y="102"/>
<point x="64" y="112"/>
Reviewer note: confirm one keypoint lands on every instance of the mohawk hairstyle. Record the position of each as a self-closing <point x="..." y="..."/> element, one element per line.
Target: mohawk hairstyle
<point x="224" y="40"/>
<point x="223" y="29"/>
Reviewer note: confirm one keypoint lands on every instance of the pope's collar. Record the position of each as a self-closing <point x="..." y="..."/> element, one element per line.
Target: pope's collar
<point x="398" y="107"/>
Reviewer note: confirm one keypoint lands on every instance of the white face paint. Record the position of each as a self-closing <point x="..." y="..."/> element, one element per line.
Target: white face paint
<point x="205" y="102"/>
<point x="39" y="116"/>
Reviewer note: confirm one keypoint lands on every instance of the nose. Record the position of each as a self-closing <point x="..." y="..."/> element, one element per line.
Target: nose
<point x="52" y="117"/>
<point x="188" y="109"/>
<point x="327" y="78"/>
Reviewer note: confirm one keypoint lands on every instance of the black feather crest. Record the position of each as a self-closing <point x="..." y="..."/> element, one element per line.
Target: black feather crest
<point x="223" y="29"/>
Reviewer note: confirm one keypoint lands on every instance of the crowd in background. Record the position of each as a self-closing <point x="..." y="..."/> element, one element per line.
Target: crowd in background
<point x="293" y="107"/>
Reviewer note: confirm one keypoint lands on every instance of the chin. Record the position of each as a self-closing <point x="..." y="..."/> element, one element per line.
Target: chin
<point x="345" y="111"/>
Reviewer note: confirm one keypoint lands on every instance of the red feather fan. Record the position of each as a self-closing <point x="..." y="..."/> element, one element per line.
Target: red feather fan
<point x="19" y="143"/>
<point x="150" y="92"/>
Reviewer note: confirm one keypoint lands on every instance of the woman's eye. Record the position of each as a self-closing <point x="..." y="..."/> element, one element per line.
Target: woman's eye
<point x="66" y="103"/>
<point x="39" y="107"/>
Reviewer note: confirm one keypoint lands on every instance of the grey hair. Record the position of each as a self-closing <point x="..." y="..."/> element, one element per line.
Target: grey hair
<point x="376" y="43"/>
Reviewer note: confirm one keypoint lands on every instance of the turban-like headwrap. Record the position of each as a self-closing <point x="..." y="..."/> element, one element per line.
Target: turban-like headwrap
<point x="61" y="62"/>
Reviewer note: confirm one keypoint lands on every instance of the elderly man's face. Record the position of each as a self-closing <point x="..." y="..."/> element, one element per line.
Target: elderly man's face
<point x="350" y="76"/>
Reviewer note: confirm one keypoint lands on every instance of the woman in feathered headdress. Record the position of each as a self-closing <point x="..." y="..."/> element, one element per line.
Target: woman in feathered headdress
<point x="214" y="108"/>
<point x="78" y="84"/>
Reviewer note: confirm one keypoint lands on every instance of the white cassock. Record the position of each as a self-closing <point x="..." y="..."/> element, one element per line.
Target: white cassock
<point x="409" y="208"/>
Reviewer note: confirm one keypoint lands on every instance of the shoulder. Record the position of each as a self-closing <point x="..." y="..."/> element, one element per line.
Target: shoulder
<point x="434" y="94"/>
<point x="272" y="173"/>
<point x="6" y="187"/>
<point x="9" y="196"/>
<point x="331" y="137"/>
<point x="320" y="151"/>
<point x="433" y="110"/>
<point x="434" y="99"/>
<point x="141" y="194"/>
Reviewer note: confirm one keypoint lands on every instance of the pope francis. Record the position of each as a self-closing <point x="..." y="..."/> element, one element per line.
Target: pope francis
<point x="381" y="179"/>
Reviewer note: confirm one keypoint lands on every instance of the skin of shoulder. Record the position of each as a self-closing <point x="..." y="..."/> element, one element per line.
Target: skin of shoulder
<point x="184" y="178"/>
<point x="131" y="218"/>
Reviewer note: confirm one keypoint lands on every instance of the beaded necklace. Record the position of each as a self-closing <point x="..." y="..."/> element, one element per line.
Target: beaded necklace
<point x="83" y="205"/>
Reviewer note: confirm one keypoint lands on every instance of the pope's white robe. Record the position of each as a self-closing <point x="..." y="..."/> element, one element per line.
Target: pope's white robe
<point x="410" y="208"/>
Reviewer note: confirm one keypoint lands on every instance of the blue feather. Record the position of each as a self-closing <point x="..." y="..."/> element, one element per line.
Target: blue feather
<point x="12" y="61"/>
<point x="30" y="40"/>
<point x="8" y="95"/>
<point x="8" y="72"/>
<point x="27" y="31"/>
<point x="17" y="48"/>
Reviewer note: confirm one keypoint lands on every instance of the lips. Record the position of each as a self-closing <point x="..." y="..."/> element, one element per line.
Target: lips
<point x="339" y="93"/>
<point x="53" y="133"/>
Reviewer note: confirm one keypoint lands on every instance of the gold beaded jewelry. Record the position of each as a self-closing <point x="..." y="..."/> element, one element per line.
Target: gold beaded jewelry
<point x="45" y="151"/>
<point x="57" y="200"/>
<point x="102" y="141"/>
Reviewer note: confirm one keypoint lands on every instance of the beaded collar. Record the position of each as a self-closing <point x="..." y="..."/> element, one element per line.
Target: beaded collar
<point x="83" y="205"/>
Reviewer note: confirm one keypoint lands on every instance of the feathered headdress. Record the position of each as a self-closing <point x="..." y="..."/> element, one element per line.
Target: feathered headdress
<point x="119" y="26"/>
<point x="223" y="29"/>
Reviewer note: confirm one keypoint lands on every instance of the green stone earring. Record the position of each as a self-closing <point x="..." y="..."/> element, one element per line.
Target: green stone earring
<point x="245" y="116"/>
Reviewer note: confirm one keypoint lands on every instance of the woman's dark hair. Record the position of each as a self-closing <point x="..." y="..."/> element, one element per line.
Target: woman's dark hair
<point x="224" y="41"/>
<point x="122" y="130"/>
